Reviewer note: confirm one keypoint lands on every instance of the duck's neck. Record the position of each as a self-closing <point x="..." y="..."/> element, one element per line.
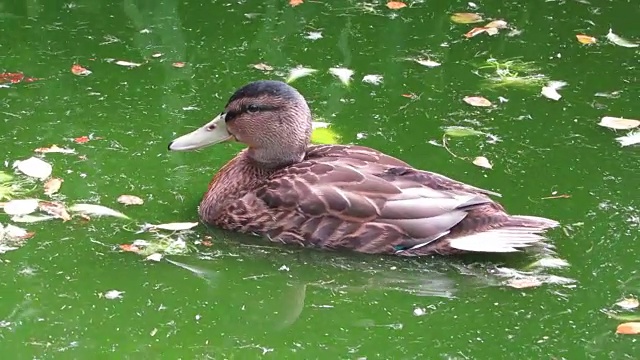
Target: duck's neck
<point x="232" y="182"/>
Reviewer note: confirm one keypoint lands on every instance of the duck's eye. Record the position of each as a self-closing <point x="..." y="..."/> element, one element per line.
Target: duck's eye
<point x="253" y="108"/>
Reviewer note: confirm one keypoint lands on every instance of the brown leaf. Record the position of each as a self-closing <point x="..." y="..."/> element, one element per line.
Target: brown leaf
<point x="129" y="248"/>
<point x="477" y="101"/>
<point x="295" y="2"/>
<point x="130" y="200"/>
<point x="395" y="5"/>
<point x="629" y="328"/>
<point x="586" y="39"/>
<point x="466" y="18"/>
<point x="179" y="64"/>
<point x="475" y="31"/>
<point x="52" y="186"/>
<point x="55" y="209"/>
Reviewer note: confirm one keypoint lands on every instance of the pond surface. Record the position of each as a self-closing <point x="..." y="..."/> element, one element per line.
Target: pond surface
<point x="243" y="298"/>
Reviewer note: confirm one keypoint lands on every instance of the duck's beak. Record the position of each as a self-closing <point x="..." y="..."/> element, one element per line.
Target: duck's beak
<point x="213" y="132"/>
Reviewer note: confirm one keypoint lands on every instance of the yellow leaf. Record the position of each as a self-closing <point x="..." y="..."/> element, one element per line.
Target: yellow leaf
<point x="466" y="18"/>
<point x="585" y="39"/>
<point x="629" y="328"/>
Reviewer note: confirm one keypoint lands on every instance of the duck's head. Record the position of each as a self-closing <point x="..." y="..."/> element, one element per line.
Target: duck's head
<point x="270" y="117"/>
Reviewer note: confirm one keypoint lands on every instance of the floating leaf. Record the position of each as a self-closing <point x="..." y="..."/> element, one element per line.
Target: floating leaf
<point x="466" y="18"/>
<point x="15" y="232"/>
<point x="483" y="162"/>
<point x="81" y="140"/>
<point x="130" y="200"/>
<point x="313" y="35"/>
<point x="395" y="5"/>
<point x="523" y="283"/>
<point x="550" y="262"/>
<point x="343" y="74"/>
<point x="477" y="101"/>
<point x="618" y="123"/>
<point x="262" y="67"/>
<point x="631" y="138"/>
<point x="154" y="257"/>
<point x="491" y="31"/>
<point x="299" y="72"/>
<point x="177" y="226"/>
<point x="113" y="294"/>
<point x="55" y="209"/>
<point x="127" y="63"/>
<point x="373" y="79"/>
<point x="97" y="210"/>
<point x="475" y="31"/>
<point x="427" y="62"/>
<point x="31" y="218"/>
<point x="156" y="55"/>
<point x="620" y="41"/>
<point x="129" y="248"/>
<point x="179" y="64"/>
<point x="629" y="328"/>
<point x="52" y="186"/>
<point x="54" y="149"/>
<point x="461" y="131"/>
<point x="21" y="207"/>
<point x="497" y="24"/>
<point x="586" y="39"/>
<point x="628" y="304"/>
<point x="34" y="167"/>
<point x="79" y="70"/>
<point x="295" y="2"/>
<point x="551" y="90"/>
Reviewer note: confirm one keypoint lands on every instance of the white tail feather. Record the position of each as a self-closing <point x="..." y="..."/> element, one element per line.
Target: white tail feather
<point x="509" y="239"/>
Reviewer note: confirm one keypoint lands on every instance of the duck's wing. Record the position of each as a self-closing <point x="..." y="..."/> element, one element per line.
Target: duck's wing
<point x="345" y="203"/>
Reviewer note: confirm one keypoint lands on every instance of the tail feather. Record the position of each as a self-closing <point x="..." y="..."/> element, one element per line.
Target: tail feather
<point x="519" y="232"/>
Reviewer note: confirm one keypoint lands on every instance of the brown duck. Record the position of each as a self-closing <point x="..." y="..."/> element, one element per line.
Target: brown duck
<point x="341" y="196"/>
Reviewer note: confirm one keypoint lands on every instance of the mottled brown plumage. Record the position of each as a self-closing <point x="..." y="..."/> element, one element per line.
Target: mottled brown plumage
<point x="341" y="196"/>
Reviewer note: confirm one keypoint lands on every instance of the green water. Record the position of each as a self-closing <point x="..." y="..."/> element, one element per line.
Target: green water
<point x="241" y="303"/>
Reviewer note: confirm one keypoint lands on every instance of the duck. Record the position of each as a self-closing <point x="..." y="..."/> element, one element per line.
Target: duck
<point x="342" y="197"/>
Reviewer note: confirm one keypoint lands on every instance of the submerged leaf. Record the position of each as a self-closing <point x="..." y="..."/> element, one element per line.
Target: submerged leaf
<point x="629" y="328"/>
<point x="466" y="18"/>
<point x="550" y="262"/>
<point x="127" y="63"/>
<point x="551" y="90"/>
<point x="97" y="210"/>
<point x="477" y="101"/>
<point x="373" y="79"/>
<point x="343" y="74"/>
<point x="461" y="131"/>
<point x="34" y="167"/>
<point x="154" y="257"/>
<point x="631" y="138"/>
<point x="483" y="162"/>
<point x="427" y="62"/>
<point x="179" y="64"/>
<point x="620" y="41"/>
<point x="31" y="218"/>
<point x="21" y="207"/>
<point x="523" y="283"/>
<point x="262" y="67"/>
<point x="618" y="123"/>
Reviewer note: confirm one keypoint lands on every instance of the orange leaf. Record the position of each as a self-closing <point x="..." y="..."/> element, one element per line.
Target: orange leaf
<point x="129" y="247"/>
<point x="295" y="2"/>
<point x="79" y="70"/>
<point x="629" y="328"/>
<point x="475" y="31"/>
<point x="395" y="5"/>
<point x="81" y="139"/>
<point x="179" y="64"/>
<point x="586" y="39"/>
